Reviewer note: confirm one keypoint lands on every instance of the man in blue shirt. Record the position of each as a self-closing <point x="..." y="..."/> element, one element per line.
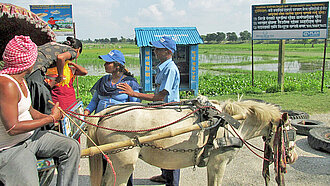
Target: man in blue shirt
<point x="167" y="90"/>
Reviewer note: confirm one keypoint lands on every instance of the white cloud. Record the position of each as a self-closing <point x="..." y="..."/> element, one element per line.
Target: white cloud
<point x="152" y="12"/>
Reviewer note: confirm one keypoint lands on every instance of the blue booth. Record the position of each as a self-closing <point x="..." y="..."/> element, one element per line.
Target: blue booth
<point x="186" y="56"/>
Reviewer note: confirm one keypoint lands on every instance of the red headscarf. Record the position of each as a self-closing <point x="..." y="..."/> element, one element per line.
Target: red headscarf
<point x="20" y="54"/>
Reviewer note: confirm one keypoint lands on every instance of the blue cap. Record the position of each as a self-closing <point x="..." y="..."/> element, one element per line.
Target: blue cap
<point x="165" y="42"/>
<point x="114" y="55"/>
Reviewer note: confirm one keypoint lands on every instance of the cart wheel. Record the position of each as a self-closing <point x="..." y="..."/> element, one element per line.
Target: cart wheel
<point x="46" y="177"/>
<point x="304" y="125"/>
<point x="293" y="114"/>
<point x="15" y="20"/>
<point x="319" y="139"/>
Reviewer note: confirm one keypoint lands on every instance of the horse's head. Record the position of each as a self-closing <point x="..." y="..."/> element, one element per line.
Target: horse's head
<point x="288" y="133"/>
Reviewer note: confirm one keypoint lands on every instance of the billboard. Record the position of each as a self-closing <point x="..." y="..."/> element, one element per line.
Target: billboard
<point x="58" y="17"/>
<point x="290" y="21"/>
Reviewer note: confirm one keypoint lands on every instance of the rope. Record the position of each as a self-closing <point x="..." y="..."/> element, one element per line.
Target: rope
<point x="105" y="156"/>
<point x="248" y="145"/>
<point x="117" y="113"/>
<point x="143" y="130"/>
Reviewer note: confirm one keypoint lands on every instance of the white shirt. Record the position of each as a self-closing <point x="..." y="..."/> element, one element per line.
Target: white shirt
<point x="7" y="141"/>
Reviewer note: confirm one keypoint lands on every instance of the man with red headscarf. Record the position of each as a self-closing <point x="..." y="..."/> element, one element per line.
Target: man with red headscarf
<point x="21" y="142"/>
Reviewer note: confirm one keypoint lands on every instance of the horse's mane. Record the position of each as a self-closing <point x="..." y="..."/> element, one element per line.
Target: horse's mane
<point x="263" y="113"/>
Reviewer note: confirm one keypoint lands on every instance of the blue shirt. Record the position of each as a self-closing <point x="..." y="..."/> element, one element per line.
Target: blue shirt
<point x="99" y="103"/>
<point x="168" y="78"/>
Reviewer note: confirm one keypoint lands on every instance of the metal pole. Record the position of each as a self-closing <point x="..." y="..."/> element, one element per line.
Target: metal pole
<point x="252" y="66"/>
<point x="323" y="67"/>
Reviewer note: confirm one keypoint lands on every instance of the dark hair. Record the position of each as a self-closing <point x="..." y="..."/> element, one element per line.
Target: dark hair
<point x="123" y="69"/>
<point x="74" y="43"/>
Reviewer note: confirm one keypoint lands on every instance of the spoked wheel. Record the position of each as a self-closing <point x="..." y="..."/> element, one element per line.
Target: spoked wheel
<point x="46" y="177"/>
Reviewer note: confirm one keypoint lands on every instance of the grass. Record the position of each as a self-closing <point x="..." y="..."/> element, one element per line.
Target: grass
<point x="313" y="102"/>
<point x="302" y="91"/>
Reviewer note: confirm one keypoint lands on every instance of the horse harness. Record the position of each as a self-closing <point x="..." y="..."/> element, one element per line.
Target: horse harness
<point x="206" y="112"/>
<point x="218" y="120"/>
<point x="279" y="154"/>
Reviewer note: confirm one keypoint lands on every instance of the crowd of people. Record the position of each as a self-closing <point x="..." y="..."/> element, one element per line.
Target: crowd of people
<point x="32" y="75"/>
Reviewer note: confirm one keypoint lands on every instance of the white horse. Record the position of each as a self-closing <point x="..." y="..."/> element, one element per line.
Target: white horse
<point x="258" y="117"/>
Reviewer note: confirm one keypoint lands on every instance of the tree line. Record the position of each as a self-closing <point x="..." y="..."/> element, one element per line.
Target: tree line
<point x="219" y="37"/>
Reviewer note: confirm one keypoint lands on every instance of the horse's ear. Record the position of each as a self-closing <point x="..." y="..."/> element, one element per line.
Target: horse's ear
<point x="285" y="116"/>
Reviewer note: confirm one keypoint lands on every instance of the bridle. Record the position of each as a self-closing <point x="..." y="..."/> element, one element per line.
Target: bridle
<point x="277" y="148"/>
<point x="280" y="152"/>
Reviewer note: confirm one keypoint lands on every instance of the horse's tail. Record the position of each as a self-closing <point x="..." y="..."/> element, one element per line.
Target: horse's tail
<point x="95" y="162"/>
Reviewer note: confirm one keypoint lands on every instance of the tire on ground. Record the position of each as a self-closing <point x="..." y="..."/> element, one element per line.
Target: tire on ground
<point x="304" y="125"/>
<point x="293" y="114"/>
<point x="319" y="139"/>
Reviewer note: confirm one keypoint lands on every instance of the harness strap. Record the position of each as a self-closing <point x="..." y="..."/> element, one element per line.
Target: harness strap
<point x="268" y="154"/>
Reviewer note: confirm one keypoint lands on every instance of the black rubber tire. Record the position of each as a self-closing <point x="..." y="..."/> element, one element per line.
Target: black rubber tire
<point x="304" y="125"/>
<point x="319" y="139"/>
<point x="293" y="114"/>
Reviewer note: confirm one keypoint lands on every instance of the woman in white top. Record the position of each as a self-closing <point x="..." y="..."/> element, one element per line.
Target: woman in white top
<point x="20" y="140"/>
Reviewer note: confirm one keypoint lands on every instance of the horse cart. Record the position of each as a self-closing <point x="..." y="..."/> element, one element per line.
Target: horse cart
<point x="194" y="132"/>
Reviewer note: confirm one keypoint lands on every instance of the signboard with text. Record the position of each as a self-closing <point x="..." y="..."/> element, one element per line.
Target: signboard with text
<point x="290" y="21"/>
<point x="58" y="17"/>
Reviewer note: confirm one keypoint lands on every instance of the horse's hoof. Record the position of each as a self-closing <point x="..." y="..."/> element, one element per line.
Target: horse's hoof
<point x="158" y="179"/>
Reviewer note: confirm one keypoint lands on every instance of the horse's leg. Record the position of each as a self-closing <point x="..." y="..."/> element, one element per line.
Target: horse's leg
<point x="217" y="165"/>
<point x="123" y="165"/>
<point x="95" y="162"/>
<point x="96" y="169"/>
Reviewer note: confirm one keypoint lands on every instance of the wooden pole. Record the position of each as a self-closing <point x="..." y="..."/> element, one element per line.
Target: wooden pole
<point x="323" y="66"/>
<point x="144" y="139"/>
<point x="252" y="65"/>
<point x="280" y="79"/>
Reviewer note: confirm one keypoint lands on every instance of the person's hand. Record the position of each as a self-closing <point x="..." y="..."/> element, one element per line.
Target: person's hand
<point x="71" y="64"/>
<point x="126" y="89"/>
<point x="86" y="112"/>
<point x="56" y="113"/>
<point x="59" y="79"/>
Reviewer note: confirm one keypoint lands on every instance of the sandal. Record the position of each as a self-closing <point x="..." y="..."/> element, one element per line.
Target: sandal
<point x="158" y="179"/>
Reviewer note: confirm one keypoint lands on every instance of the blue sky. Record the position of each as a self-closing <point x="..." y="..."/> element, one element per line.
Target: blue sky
<point x="115" y="18"/>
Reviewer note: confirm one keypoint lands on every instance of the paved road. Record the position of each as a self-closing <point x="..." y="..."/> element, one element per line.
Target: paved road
<point x="311" y="168"/>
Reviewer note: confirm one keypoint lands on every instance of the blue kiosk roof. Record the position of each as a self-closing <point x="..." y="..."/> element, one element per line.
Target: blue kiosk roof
<point x="181" y="35"/>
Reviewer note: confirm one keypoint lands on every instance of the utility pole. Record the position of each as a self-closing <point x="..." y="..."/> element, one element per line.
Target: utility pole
<point x="280" y="79"/>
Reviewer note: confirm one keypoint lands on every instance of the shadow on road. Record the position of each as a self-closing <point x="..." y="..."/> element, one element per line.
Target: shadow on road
<point x="145" y="182"/>
<point x="311" y="161"/>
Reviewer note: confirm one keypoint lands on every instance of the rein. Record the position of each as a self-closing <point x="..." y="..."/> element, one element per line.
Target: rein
<point x="73" y="114"/>
<point x="281" y="139"/>
<point x="248" y="145"/>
